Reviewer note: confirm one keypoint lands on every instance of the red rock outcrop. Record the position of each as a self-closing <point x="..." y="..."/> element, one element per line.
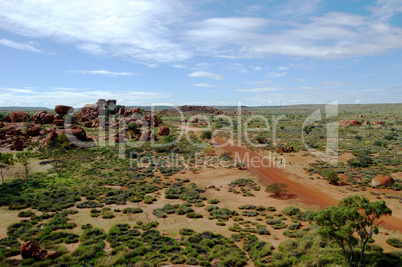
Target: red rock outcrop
<point x="350" y="122"/>
<point x="17" y="116"/>
<point x="33" y="250"/>
<point x="88" y="124"/>
<point x="61" y="109"/>
<point x="1" y="124"/>
<point x="194" y="120"/>
<point x="385" y="180"/>
<point x="163" y="130"/>
<point x="50" y="137"/>
<point x="33" y="130"/>
<point x="78" y="132"/>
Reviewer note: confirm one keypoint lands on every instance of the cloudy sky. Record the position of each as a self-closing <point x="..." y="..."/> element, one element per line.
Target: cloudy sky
<point x="205" y="52"/>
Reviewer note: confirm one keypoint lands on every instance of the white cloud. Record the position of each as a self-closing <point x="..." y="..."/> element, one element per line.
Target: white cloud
<point x="301" y="79"/>
<point x="386" y="9"/>
<point x="205" y="74"/>
<point x="258" y="82"/>
<point x="103" y="73"/>
<point x="20" y="46"/>
<point x="335" y="83"/>
<point x="141" y="30"/>
<point x="76" y="97"/>
<point x="206" y="85"/>
<point x="258" y="89"/>
<point x="276" y="74"/>
<point x="159" y="31"/>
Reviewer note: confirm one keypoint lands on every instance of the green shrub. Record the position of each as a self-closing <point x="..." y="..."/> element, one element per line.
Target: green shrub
<point x="25" y="213"/>
<point x="289" y="211"/>
<point x="107" y="213"/>
<point x="271" y="209"/>
<point x="395" y="242"/>
<point x="132" y="210"/>
<point x="159" y="213"/>
<point x="186" y="231"/>
<point x="213" y="201"/>
<point x="193" y="215"/>
<point x="89" y="204"/>
<point x="294" y="226"/>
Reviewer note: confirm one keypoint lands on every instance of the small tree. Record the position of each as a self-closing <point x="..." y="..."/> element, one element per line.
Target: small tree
<point x="332" y="176"/>
<point x="23" y="159"/>
<point x="6" y="161"/>
<point x="277" y="189"/>
<point x="352" y="222"/>
<point x="206" y="135"/>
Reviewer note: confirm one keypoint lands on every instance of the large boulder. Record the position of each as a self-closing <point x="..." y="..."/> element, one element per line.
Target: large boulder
<point x="33" y="130"/>
<point x="88" y="112"/>
<point x="39" y="116"/>
<point x="111" y="103"/>
<point x="385" y="180"/>
<point x="88" y="124"/>
<point x="50" y="137"/>
<point x="33" y="250"/>
<point x="17" y="116"/>
<point x="48" y="119"/>
<point x="78" y="132"/>
<point x="194" y="120"/>
<point x="350" y="122"/>
<point x="163" y="130"/>
<point x="61" y="109"/>
<point x="59" y="122"/>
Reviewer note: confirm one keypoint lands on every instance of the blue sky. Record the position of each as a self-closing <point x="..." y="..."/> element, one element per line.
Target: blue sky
<point x="204" y="52"/>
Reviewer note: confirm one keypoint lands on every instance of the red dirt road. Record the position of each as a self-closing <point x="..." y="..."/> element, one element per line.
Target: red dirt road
<point x="269" y="175"/>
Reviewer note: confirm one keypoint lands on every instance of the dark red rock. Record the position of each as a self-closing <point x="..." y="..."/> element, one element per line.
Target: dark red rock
<point x="194" y="120"/>
<point x="59" y="122"/>
<point x="61" y="109"/>
<point x="33" y="130"/>
<point x="1" y="124"/>
<point x="88" y="124"/>
<point x="48" y="119"/>
<point x="17" y="116"/>
<point x="163" y="130"/>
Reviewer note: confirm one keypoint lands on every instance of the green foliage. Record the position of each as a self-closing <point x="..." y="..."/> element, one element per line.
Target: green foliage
<point x="186" y="231"/>
<point x="395" y="242"/>
<point x="332" y="176"/>
<point x="353" y="216"/>
<point x="132" y="126"/>
<point x="290" y="211"/>
<point x="277" y="189"/>
<point x="6" y="162"/>
<point x="206" y="135"/>
<point x="107" y="213"/>
<point x="213" y="201"/>
<point x="132" y="210"/>
<point x="25" y="213"/>
<point x="362" y="161"/>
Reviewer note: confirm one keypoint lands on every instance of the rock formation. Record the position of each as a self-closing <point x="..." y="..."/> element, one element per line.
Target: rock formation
<point x="163" y="130"/>
<point x="33" y="250"/>
<point x="17" y="116"/>
<point x="385" y="180"/>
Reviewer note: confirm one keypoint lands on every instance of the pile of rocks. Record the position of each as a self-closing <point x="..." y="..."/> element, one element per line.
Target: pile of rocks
<point x="32" y="250"/>
<point x="62" y="111"/>
<point x="42" y="117"/>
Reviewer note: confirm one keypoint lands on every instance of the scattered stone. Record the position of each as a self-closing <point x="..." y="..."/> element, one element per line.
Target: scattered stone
<point x="88" y="124"/>
<point x="33" y="130"/>
<point x="350" y="122"/>
<point x="163" y="130"/>
<point x="385" y="180"/>
<point x="194" y="120"/>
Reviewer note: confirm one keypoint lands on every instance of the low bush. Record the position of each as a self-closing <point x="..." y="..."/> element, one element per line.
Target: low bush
<point x="107" y="213"/>
<point x="132" y="210"/>
<point x="25" y="213"/>
<point x="395" y="242"/>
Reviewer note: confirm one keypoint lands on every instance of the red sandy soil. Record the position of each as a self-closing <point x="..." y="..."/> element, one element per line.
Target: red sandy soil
<point x="269" y="175"/>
